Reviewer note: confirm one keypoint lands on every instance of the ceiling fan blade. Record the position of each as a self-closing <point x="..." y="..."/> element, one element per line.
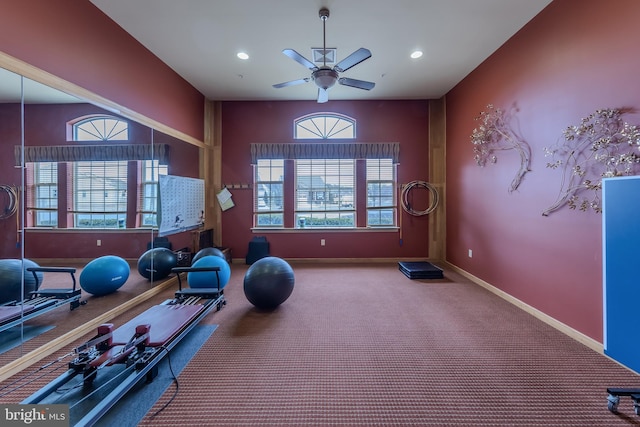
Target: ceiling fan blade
<point x="323" y="95"/>
<point x="292" y="83"/>
<point x="300" y="59"/>
<point x="360" y="84"/>
<point x="354" y="59"/>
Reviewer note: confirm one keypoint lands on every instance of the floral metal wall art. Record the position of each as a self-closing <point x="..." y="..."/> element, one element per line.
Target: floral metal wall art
<point x="496" y="133"/>
<point x="603" y="145"/>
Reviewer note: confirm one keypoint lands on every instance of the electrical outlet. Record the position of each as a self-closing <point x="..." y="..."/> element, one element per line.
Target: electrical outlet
<point x="321" y="242"/>
<point x="98" y="242"/>
<point x="470" y="253"/>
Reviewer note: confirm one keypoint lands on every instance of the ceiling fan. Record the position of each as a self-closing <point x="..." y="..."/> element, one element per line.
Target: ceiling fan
<point x="326" y="77"/>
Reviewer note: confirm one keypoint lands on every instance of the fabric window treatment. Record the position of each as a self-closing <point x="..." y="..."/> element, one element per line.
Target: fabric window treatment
<point x="293" y="151"/>
<point x="87" y="152"/>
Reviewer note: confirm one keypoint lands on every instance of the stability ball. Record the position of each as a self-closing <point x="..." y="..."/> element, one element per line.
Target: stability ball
<point x="104" y="275"/>
<point x="157" y="263"/>
<point x="208" y="251"/>
<point x="207" y="279"/>
<point x="10" y="279"/>
<point x="268" y="282"/>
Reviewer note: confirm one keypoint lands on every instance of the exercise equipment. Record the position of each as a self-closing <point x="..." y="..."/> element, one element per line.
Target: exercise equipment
<point x="258" y="248"/>
<point x="268" y="282"/>
<point x="40" y="301"/>
<point x="405" y="199"/>
<point x="104" y="275"/>
<point x="208" y="251"/>
<point x="12" y="272"/>
<point x="420" y="270"/>
<point x="613" y="399"/>
<point x="207" y="279"/>
<point x="125" y="355"/>
<point x="156" y="263"/>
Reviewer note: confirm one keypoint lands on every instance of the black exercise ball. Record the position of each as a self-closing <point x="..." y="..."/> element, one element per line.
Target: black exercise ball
<point x="157" y="263"/>
<point x="206" y="252"/>
<point x="11" y="279"/>
<point x="268" y="282"/>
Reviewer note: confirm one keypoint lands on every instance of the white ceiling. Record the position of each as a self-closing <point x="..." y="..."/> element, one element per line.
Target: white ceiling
<point x="199" y="39"/>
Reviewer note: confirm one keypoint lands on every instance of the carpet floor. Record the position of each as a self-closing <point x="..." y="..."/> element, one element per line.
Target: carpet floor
<point x="363" y="345"/>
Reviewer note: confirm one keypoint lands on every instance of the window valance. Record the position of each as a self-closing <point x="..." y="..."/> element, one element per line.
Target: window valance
<point x="77" y="153"/>
<point x="334" y="150"/>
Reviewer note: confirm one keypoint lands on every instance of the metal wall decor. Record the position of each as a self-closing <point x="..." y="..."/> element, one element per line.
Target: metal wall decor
<point x="496" y="133"/>
<point x="603" y="145"/>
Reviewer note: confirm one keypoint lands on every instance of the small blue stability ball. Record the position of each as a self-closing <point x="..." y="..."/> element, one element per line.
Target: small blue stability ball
<point x="207" y="279"/>
<point x="268" y="282"/>
<point x="104" y="275"/>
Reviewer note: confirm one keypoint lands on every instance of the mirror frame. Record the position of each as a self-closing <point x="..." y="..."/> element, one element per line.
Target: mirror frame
<point x="31" y="72"/>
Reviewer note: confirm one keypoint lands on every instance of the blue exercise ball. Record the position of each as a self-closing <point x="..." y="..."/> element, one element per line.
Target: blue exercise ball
<point x="208" y="279"/>
<point x="104" y="275"/>
<point x="208" y="251"/>
<point x="11" y="279"/>
<point x="268" y="282"/>
<point x="157" y="263"/>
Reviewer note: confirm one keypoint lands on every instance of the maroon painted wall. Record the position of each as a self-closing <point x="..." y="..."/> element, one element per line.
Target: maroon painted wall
<point x="11" y="135"/>
<point x="575" y="57"/>
<point x="74" y="40"/>
<point x="405" y="122"/>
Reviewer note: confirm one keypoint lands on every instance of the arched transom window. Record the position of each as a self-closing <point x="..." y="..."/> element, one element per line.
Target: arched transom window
<point x="325" y="126"/>
<point x="101" y="128"/>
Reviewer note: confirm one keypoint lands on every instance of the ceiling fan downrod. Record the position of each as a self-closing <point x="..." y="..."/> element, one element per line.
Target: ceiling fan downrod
<point x="324" y="15"/>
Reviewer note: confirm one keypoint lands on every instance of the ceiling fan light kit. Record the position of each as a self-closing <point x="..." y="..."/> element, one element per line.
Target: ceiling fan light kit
<point x="326" y="77"/>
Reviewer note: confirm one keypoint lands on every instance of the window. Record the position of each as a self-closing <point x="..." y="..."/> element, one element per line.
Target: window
<point x="269" y="193"/>
<point x="330" y="179"/>
<point x="94" y="194"/>
<point x="325" y="126"/>
<point x="100" y="128"/>
<point x="46" y="194"/>
<point x="325" y="192"/>
<point x="381" y="200"/>
<point x="151" y="169"/>
<point x="100" y="194"/>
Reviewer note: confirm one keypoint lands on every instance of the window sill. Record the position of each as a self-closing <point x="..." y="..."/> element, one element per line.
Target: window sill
<point x="88" y="230"/>
<point x="264" y="230"/>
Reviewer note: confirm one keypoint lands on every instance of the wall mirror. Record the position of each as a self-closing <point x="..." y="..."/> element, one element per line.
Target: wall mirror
<point x="86" y="177"/>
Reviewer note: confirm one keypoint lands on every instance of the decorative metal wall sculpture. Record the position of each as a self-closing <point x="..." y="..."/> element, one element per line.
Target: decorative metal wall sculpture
<point x="496" y="133"/>
<point x="603" y="145"/>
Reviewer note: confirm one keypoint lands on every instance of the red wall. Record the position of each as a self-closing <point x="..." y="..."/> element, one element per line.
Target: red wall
<point x="405" y="122"/>
<point x="74" y="40"/>
<point x="575" y="57"/>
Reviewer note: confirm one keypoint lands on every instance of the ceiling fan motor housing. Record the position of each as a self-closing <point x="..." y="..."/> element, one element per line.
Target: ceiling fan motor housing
<point x="325" y="77"/>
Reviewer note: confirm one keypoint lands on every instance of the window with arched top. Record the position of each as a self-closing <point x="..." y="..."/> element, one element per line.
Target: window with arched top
<point x="96" y="192"/>
<point x="324" y="126"/>
<point x="100" y="128"/>
<point x="331" y="179"/>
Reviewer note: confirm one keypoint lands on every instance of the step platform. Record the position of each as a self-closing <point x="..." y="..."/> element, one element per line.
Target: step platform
<point x="420" y="270"/>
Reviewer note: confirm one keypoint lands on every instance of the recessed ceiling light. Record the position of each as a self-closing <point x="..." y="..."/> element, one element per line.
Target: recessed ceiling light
<point x="243" y="55"/>
<point x="416" y="54"/>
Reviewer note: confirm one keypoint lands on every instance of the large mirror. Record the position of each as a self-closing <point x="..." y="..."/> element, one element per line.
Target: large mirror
<point x="87" y="212"/>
